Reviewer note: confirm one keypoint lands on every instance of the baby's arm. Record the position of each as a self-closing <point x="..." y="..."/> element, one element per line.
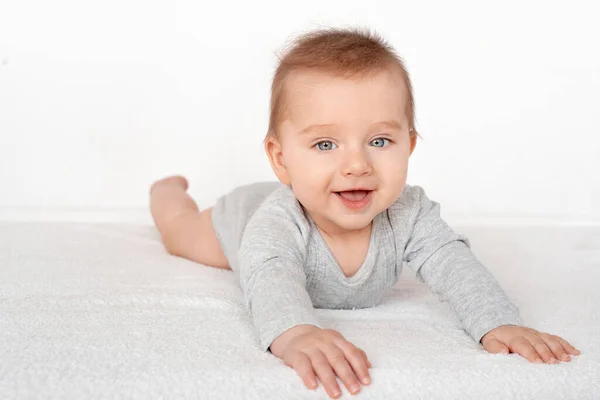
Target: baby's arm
<point x="273" y="280"/>
<point x="186" y="232"/>
<point x="443" y="260"/>
<point x="272" y="276"/>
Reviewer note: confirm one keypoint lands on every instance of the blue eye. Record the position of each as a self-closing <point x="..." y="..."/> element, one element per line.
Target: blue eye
<point x="326" y="145"/>
<point x="379" y="142"/>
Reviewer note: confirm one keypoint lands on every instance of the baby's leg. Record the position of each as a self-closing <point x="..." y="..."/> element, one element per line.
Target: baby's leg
<point x="186" y="231"/>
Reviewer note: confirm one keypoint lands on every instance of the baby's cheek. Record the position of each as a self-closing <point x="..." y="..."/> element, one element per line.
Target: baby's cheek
<point x="304" y="189"/>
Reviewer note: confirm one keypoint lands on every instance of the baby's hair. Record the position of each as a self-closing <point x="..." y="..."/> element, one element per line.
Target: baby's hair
<point x="342" y="52"/>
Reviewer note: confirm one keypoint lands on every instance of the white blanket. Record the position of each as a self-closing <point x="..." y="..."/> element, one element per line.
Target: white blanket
<point x="102" y="311"/>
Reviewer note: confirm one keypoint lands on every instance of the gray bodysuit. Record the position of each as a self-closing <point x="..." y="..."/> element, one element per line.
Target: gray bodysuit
<point x="286" y="269"/>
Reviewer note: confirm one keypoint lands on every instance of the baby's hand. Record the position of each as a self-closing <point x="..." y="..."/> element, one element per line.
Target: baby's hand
<point x="327" y="353"/>
<point x="533" y="345"/>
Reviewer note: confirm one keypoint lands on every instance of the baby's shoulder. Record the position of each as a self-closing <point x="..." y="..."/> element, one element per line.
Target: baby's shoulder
<point x="254" y="191"/>
<point x="281" y="197"/>
<point x="271" y="199"/>
<point x="404" y="212"/>
<point x="411" y="198"/>
<point x="279" y="213"/>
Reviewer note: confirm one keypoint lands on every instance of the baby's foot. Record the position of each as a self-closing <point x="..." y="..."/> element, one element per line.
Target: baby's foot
<point x="175" y="180"/>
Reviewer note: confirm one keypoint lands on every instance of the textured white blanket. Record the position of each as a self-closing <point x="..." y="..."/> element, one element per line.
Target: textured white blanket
<point x="102" y="311"/>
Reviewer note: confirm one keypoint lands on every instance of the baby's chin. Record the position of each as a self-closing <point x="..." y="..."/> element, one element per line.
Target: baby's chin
<point x="353" y="222"/>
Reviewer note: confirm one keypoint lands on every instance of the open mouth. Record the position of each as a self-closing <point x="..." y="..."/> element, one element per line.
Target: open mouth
<point x="355" y="199"/>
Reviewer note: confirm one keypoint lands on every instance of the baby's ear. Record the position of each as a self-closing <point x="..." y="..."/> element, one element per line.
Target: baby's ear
<point x="413" y="142"/>
<point x="275" y="154"/>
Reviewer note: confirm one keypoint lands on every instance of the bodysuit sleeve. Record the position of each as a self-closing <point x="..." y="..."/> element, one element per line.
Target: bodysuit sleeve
<point x="443" y="260"/>
<point x="272" y="275"/>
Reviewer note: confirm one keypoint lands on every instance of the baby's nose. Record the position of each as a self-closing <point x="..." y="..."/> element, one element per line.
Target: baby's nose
<point x="356" y="163"/>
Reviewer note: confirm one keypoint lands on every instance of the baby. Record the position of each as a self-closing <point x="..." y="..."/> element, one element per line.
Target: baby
<point x="335" y="230"/>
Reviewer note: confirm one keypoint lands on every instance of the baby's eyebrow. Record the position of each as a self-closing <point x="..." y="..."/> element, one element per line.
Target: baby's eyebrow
<point x="317" y="128"/>
<point x="393" y="124"/>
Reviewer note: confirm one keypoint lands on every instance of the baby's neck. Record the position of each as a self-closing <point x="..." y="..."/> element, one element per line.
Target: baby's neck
<point x="335" y="234"/>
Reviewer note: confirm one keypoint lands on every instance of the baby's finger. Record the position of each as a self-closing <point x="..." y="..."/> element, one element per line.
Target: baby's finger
<point x="542" y="348"/>
<point x="357" y="359"/>
<point x="325" y="373"/>
<point x="524" y="348"/>
<point x="367" y="360"/>
<point x="340" y="365"/>
<point x="304" y="368"/>
<point x="567" y="346"/>
<point x="556" y="347"/>
<point x="495" y="346"/>
<point x="364" y="356"/>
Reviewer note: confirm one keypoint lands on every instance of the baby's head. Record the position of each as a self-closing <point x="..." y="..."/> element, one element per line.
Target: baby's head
<point x="342" y="118"/>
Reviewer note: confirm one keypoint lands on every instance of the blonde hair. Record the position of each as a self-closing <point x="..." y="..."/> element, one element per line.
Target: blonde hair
<point x="340" y="52"/>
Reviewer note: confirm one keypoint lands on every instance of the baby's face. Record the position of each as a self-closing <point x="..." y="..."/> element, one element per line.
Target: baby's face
<point x="342" y="135"/>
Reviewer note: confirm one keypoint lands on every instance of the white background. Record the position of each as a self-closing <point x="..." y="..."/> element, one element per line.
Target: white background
<point x="100" y="98"/>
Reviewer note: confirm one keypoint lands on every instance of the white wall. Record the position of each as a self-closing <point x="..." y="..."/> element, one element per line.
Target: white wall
<point x="99" y="99"/>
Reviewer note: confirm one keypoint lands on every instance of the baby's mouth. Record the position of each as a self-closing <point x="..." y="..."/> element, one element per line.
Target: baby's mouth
<point x="353" y="195"/>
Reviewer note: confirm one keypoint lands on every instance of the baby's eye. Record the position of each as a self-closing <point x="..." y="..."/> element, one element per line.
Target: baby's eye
<point x="325" y="145"/>
<point x="379" y="142"/>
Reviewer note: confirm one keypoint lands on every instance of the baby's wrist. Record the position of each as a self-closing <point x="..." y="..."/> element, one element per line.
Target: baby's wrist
<point x="282" y="341"/>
